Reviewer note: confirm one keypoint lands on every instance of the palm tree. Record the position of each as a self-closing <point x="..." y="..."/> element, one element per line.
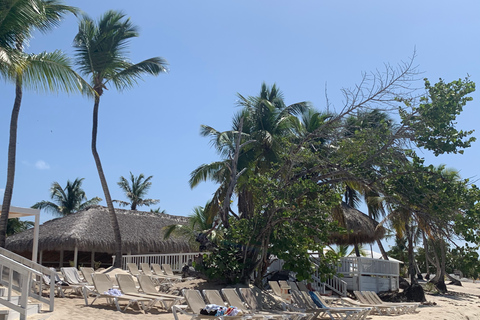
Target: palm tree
<point x="135" y="190"/>
<point x="42" y="72"/>
<point x="266" y="119"/>
<point x="15" y="225"/>
<point x="67" y="200"/>
<point x="101" y="49"/>
<point x="200" y="222"/>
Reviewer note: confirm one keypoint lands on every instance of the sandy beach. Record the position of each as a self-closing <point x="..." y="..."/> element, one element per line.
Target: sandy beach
<point x="460" y="303"/>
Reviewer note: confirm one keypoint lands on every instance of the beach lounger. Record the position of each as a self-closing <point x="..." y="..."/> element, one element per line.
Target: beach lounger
<point x="103" y="289"/>
<point x="72" y="277"/>
<point x="128" y="286"/>
<point x="157" y="270"/>
<point x="87" y="274"/>
<point x="254" y="298"/>
<point x="169" y="272"/>
<point x="378" y="308"/>
<point x="233" y="299"/>
<point x="159" y="279"/>
<point x="148" y="286"/>
<point x="275" y="288"/>
<point x="195" y="304"/>
<point x="304" y="301"/>
<point x="133" y="269"/>
<point x="214" y="297"/>
<point x="409" y="307"/>
<point x="60" y="286"/>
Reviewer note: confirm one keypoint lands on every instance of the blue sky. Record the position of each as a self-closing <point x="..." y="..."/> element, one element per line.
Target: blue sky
<point x="216" y="49"/>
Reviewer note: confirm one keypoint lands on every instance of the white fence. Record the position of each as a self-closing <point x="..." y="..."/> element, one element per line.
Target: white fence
<point x="175" y="260"/>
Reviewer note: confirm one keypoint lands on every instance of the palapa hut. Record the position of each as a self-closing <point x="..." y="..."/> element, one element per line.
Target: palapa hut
<point x="88" y="235"/>
<point x="360" y="227"/>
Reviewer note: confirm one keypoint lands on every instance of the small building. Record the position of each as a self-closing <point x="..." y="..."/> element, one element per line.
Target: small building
<point x="86" y="237"/>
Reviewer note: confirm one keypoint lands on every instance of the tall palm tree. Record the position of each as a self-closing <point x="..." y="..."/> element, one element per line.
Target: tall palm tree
<point x="67" y="200"/>
<point x="266" y="119"/>
<point x="135" y="190"/>
<point x="101" y="49"/>
<point x="42" y="72"/>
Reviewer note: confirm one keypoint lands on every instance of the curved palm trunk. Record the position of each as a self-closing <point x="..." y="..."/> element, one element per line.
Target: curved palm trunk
<point x="12" y="151"/>
<point x="113" y="217"/>
<point x="382" y="249"/>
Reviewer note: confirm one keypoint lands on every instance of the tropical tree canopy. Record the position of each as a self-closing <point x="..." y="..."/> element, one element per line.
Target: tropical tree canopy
<point x="66" y="200"/>
<point x="135" y="190"/>
<point x="289" y="167"/>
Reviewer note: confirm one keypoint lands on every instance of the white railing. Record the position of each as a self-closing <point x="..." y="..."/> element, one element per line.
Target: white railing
<point x="175" y="260"/>
<point x="367" y="266"/>
<point x="19" y="273"/>
<point x="334" y="283"/>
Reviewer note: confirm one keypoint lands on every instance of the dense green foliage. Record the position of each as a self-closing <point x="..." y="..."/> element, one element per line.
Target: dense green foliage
<point x="289" y="168"/>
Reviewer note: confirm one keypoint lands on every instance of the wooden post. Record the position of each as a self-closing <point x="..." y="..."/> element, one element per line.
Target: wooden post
<point x="60" y="263"/>
<point x="40" y="259"/>
<point x="75" y="257"/>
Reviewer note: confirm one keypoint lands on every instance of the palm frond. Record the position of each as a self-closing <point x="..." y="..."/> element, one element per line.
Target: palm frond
<point x="52" y="71"/>
<point x="131" y="73"/>
<point x="206" y="172"/>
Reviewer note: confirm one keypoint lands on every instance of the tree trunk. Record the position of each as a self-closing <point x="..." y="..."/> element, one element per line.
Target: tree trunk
<point x="12" y="151"/>
<point x="357" y="250"/>
<point x="113" y="217"/>
<point x="411" y="256"/>
<point x="382" y="249"/>
<point x="425" y="247"/>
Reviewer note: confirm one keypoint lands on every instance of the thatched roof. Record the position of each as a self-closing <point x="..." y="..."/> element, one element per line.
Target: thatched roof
<point x="90" y="230"/>
<point x="360" y="227"/>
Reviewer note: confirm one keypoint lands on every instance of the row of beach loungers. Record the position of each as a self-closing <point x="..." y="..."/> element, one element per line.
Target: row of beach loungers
<point x="303" y="297"/>
<point x="139" y="290"/>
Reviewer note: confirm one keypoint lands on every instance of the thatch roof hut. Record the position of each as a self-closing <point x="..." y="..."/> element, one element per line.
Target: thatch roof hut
<point x="360" y="227"/>
<point x="90" y="230"/>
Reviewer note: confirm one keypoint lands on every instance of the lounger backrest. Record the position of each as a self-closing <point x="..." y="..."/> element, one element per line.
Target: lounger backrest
<point x="146" y="269"/>
<point x="302" y="287"/>
<point x="146" y="284"/>
<point x="293" y="285"/>
<point x="133" y="268"/>
<point x="275" y="288"/>
<point x="283" y="284"/>
<point x="87" y="274"/>
<point x="373" y="297"/>
<point x="361" y="297"/>
<point x="250" y="299"/>
<point x="233" y="298"/>
<point x="168" y="269"/>
<point x="71" y="275"/>
<point x="194" y="300"/>
<point x="101" y="282"/>
<point x="213" y="297"/>
<point x="126" y="283"/>
<point x="157" y="269"/>
<point x="299" y="300"/>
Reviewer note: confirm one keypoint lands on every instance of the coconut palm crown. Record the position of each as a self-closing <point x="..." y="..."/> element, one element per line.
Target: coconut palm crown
<point x="67" y="200"/>
<point x="135" y="190"/>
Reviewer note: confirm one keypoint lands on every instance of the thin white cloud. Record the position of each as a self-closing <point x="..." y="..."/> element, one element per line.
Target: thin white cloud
<point x="42" y="165"/>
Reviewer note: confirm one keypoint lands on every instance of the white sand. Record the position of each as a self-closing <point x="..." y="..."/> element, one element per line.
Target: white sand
<point x="460" y="303"/>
